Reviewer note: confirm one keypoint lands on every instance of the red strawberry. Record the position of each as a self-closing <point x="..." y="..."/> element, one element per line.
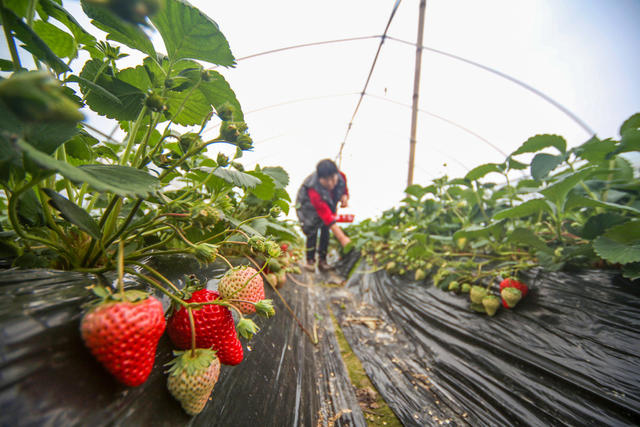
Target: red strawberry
<point x="242" y="283"/>
<point x="284" y="247"/>
<point x="214" y="328"/>
<point x="512" y="283"/>
<point x="123" y="335"/>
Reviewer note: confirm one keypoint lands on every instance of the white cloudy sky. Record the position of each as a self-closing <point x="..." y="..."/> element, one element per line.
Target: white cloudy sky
<point x="298" y="103"/>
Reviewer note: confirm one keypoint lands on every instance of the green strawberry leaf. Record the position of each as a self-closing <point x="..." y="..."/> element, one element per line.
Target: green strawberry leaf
<point x="79" y="147"/>
<point x="118" y="29"/>
<point x="266" y="189"/>
<point x="577" y="201"/>
<point x="20" y="7"/>
<point x="33" y="43"/>
<point x="53" y="9"/>
<point x="278" y="230"/>
<point x="219" y="94"/>
<point x="280" y="177"/>
<point x="131" y="99"/>
<point x="47" y="137"/>
<point x="482" y="170"/>
<point x="629" y="142"/>
<point x="620" y="244"/>
<point x="544" y="163"/>
<point x="188" y="108"/>
<point x="188" y="33"/>
<point x="94" y="87"/>
<point x="74" y="213"/>
<point x="557" y="193"/>
<point x="527" y="237"/>
<point x="30" y="209"/>
<point x="495" y="229"/>
<point x="595" y="150"/>
<point x="237" y="178"/>
<point x="631" y="271"/>
<point x="598" y="224"/>
<point x="530" y="207"/>
<point x="60" y="42"/>
<point x="515" y="165"/>
<point x="6" y="65"/>
<point x="121" y="180"/>
<point x="419" y="191"/>
<point x="632" y="123"/>
<point x="539" y="142"/>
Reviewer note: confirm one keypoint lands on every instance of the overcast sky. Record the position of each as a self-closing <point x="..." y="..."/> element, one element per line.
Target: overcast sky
<point x="582" y="53"/>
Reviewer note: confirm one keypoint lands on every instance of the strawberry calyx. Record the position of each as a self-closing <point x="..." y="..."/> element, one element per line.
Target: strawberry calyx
<point x="106" y="295"/>
<point x="247" y="328"/>
<point x="192" y="284"/>
<point x="191" y="361"/>
<point x="265" y="308"/>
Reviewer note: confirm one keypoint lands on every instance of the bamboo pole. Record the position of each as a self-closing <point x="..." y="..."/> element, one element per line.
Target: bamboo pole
<point x="416" y="92"/>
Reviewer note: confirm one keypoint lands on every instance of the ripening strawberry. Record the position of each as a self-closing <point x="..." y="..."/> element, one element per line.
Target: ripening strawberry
<point x="491" y="304"/>
<point x="192" y="376"/>
<point x="512" y="283"/>
<point x="242" y="283"/>
<point x="214" y="328"/>
<point x="123" y="335"/>
<point x="510" y="297"/>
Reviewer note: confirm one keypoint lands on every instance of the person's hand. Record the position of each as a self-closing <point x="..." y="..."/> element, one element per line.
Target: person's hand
<point x="344" y="201"/>
<point x="342" y="238"/>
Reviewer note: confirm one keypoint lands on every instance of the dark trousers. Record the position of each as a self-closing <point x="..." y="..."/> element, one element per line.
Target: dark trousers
<point x="312" y="239"/>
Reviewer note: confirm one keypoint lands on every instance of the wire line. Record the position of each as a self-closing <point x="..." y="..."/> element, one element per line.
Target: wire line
<point x="542" y="95"/>
<point x="444" y="119"/>
<point x="366" y="84"/>
<point x="297" y="46"/>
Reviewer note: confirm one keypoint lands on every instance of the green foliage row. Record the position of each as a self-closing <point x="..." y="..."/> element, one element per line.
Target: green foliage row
<point x="573" y="208"/>
<point x="70" y="197"/>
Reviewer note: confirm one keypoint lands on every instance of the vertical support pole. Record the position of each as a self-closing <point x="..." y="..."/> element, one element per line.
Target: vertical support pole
<point x="416" y="92"/>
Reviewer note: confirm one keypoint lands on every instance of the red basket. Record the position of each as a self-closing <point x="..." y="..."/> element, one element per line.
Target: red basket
<point x="345" y="218"/>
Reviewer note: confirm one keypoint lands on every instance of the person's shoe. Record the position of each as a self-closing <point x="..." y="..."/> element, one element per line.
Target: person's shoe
<point x="310" y="266"/>
<point x="324" y="266"/>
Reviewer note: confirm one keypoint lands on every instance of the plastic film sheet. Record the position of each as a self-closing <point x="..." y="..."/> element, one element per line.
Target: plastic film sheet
<point x="48" y="377"/>
<point x="567" y="354"/>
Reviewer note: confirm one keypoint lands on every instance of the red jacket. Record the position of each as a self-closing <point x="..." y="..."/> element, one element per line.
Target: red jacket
<point x="322" y="208"/>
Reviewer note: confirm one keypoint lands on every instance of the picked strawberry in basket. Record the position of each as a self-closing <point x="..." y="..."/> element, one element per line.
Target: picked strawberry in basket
<point x="345" y="218"/>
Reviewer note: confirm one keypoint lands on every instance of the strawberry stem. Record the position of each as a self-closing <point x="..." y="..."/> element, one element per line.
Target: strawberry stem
<point x="241" y="300"/>
<point x="314" y="341"/>
<point x="226" y="260"/>
<point x="157" y="274"/>
<point x="121" y="267"/>
<point x="228" y="304"/>
<point x="192" y="325"/>
<point x="157" y="285"/>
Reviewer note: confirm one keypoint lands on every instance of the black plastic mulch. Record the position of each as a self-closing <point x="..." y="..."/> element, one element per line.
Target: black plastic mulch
<point x="568" y="354"/>
<point x="47" y="377"/>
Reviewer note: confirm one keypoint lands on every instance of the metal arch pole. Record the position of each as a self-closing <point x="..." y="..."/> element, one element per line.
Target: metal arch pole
<point x="416" y="92"/>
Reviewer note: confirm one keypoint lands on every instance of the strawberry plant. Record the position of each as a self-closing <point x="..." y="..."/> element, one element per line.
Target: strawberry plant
<point x="71" y="191"/>
<point x="75" y="197"/>
<point x="577" y="208"/>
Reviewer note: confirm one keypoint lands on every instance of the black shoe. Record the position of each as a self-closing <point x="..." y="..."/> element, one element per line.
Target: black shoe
<point x="324" y="266"/>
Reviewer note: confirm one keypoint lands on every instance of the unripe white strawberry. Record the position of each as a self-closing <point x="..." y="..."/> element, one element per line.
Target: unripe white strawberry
<point x="242" y="283"/>
<point x="192" y="377"/>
